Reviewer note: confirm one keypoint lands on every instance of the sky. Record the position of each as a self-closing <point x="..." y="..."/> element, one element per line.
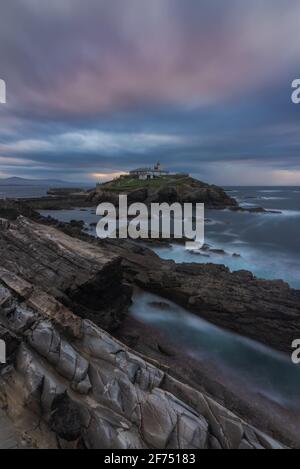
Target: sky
<point x="98" y="87"/>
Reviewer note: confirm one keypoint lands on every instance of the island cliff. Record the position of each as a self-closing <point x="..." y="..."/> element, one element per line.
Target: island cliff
<point x="176" y="188"/>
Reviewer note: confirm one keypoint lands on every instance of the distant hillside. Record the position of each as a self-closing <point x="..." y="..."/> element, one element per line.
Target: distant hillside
<point x="17" y="181"/>
<point x="171" y="188"/>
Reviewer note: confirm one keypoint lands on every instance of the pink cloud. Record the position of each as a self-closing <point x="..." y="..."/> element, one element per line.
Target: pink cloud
<point x="104" y="56"/>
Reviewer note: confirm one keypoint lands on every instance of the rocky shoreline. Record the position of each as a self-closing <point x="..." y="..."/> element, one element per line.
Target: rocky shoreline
<point x="88" y="390"/>
<point x="264" y="310"/>
<point x="188" y="190"/>
<point x="60" y="282"/>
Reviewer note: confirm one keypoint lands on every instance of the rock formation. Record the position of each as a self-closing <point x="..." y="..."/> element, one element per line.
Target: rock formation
<point x="81" y="276"/>
<point x="70" y="384"/>
<point x="165" y="189"/>
<point x="264" y="310"/>
<point x="267" y="311"/>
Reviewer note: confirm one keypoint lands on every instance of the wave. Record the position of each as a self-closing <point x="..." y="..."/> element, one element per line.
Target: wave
<point x="289" y="213"/>
<point x="271" y="191"/>
<point x="273" y="198"/>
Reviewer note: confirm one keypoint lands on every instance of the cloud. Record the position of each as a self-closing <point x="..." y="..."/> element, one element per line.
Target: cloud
<point x="102" y="86"/>
<point x="107" y="176"/>
<point x="84" y="58"/>
<point x="285" y="177"/>
<point x="93" y="141"/>
<point x="9" y="161"/>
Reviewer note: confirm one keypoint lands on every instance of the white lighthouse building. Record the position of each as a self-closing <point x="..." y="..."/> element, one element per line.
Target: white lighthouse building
<point x="149" y="173"/>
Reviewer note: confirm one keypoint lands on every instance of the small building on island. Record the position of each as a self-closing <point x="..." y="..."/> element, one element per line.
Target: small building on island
<point x="149" y="173"/>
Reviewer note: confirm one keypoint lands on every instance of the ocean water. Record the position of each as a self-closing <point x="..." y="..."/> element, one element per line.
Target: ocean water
<point x="251" y="364"/>
<point x="21" y="192"/>
<point x="268" y="243"/>
<point x="87" y="215"/>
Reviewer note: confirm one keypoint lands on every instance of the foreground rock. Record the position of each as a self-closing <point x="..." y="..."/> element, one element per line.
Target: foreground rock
<point x="9" y="438"/>
<point x="140" y="266"/>
<point x="82" y="388"/>
<point x="85" y="278"/>
<point x="213" y="378"/>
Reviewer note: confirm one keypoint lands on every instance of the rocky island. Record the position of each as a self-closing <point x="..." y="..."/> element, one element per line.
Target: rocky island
<point x="168" y="188"/>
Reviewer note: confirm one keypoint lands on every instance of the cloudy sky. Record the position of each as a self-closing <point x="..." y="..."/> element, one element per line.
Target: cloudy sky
<point x="98" y="87"/>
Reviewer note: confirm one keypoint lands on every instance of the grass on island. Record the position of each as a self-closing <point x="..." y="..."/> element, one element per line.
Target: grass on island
<point x="128" y="183"/>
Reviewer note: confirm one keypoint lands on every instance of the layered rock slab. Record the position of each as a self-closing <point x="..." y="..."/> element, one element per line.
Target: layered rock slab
<point x="86" y="278"/>
<point x="92" y="391"/>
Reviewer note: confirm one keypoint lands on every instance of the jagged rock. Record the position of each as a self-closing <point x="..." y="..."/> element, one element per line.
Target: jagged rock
<point x="77" y="224"/>
<point x="12" y="209"/>
<point x="218" y="251"/>
<point x="129" y="404"/>
<point x="86" y="278"/>
<point x="65" y="418"/>
<point x="11" y="345"/>
<point x="47" y="342"/>
<point x="114" y="384"/>
<point x="9" y="439"/>
<point x="139" y="195"/>
<point x="20" y="317"/>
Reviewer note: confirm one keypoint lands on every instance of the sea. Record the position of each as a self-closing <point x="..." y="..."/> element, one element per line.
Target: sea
<point x="268" y="244"/>
<point x="21" y="192"/>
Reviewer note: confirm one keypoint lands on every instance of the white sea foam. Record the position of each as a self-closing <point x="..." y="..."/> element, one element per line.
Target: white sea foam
<point x="290" y="213"/>
<point x="270" y="191"/>
<point x="273" y="198"/>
